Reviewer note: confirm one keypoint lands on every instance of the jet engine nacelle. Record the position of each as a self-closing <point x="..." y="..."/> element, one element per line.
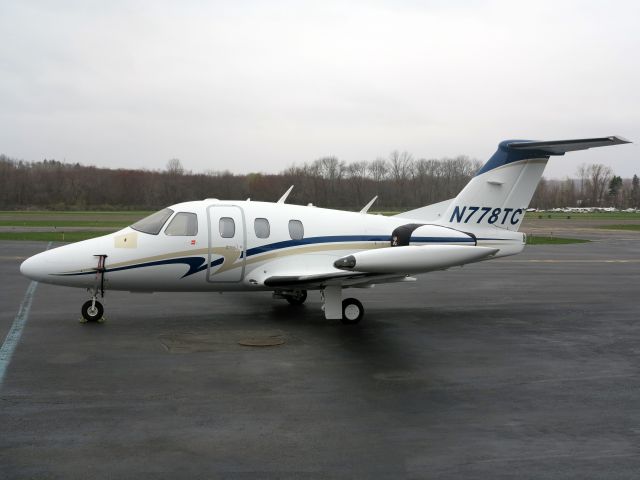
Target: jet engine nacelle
<point x="413" y="258"/>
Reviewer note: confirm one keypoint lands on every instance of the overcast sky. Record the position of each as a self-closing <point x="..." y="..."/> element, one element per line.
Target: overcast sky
<point x="259" y="86"/>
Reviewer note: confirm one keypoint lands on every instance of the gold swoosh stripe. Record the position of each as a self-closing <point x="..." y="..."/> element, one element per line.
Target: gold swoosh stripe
<point x="285" y="252"/>
<point x="232" y="255"/>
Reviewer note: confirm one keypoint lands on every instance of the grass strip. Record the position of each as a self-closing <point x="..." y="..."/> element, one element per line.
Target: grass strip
<point x="50" y="236"/>
<point x="537" y="240"/>
<point x="586" y="215"/>
<point x="133" y="213"/>
<point x="634" y="227"/>
<point x="62" y="223"/>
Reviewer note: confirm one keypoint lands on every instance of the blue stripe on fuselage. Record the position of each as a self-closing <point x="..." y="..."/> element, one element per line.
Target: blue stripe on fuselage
<point x="199" y="264"/>
<point x="442" y="239"/>
<point x="315" y="240"/>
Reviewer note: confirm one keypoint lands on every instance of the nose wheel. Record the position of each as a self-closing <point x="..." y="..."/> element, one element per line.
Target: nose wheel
<point x="92" y="311"/>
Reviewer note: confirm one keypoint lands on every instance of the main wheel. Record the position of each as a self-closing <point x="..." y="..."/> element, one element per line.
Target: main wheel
<point x="92" y="313"/>
<point x="352" y="311"/>
<point x="297" y="298"/>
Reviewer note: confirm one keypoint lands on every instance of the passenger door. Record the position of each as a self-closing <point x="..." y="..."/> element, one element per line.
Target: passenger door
<point x="227" y="243"/>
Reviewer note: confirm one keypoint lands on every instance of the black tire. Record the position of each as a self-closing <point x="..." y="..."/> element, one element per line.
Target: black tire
<point x="92" y="314"/>
<point x="297" y="299"/>
<point x="351" y="316"/>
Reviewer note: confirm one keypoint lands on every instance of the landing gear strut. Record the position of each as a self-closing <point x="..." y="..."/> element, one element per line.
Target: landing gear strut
<point x="92" y="310"/>
<point x="349" y="311"/>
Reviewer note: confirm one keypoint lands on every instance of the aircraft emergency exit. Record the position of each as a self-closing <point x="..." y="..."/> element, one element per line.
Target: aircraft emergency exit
<point x="224" y="245"/>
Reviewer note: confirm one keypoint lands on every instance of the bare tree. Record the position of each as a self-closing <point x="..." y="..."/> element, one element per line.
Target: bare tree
<point x="174" y="167"/>
<point x="401" y="166"/>
<point x="378" y="169"/>
<point x="598" y="179"/>
<point x="356" y="177"/>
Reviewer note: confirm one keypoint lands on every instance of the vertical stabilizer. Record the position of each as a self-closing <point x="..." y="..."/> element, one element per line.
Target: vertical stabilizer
<point x="499" y="194"/>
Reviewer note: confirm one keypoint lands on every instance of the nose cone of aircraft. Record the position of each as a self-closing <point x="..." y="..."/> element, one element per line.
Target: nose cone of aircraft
<point x="34" y="267"/>
<point x="73" y="265"/>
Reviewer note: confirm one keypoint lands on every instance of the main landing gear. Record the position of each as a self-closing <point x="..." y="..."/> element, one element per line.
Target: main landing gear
<point x="352" y="311"/>
<point x="294" y="297"/>
<point x="297" y="297"/>
<point x="92" y="310"/>
<point x="349" y="311"/>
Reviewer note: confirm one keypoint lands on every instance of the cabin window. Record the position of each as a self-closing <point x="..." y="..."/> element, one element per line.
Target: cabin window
<point x="154" y="222"/>
<point x="183" y="224"/>
<point x="296" y="229"/>
<point x="261" y="227"/>
<point x="227" y="227"/>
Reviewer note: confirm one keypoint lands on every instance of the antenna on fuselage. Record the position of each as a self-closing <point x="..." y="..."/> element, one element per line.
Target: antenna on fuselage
<point x="366" y="208"/>
<point x="286" y="194"/>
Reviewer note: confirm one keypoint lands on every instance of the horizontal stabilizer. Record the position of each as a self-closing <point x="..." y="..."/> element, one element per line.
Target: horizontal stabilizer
<point x="560" y="147"/>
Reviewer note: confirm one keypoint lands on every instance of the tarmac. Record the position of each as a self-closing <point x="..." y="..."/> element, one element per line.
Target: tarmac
<point x="523" y="367"/>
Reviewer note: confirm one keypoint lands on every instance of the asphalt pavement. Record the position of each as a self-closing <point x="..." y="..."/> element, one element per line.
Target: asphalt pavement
<point x="523" y="367"/>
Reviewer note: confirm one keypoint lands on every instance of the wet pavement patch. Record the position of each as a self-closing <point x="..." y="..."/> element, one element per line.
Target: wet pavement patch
<point x="270" y="341"/>
<point x="217" y="341"/>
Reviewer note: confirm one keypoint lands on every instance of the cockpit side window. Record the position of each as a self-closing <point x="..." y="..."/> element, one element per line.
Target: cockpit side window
<point x="183" y="224"/>
<point x="154" y="222"/>
<point x="227" y="227"/>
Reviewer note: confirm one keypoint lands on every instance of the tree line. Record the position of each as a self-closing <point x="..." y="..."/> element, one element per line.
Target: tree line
<point x="400" y="181"/>
<point x="595" y="186"/>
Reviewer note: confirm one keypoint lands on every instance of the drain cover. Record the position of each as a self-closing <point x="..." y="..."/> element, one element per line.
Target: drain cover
<point x="262" y="341"/>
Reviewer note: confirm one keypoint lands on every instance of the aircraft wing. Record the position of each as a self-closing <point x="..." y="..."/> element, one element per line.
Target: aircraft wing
<point x="381" y="265"/>
<point x="319" y="279"/>
<point x="316" y="271"/>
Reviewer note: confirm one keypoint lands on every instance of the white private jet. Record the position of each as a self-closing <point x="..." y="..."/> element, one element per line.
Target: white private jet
<point x="224" y="245"/>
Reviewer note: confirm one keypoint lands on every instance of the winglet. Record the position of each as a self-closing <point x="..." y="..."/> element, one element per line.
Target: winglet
<point x="286" y="194"/>
<point x="366" y="208"/>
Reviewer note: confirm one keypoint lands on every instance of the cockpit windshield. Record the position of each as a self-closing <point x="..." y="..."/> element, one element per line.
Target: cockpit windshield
<point x="154" y="222"/>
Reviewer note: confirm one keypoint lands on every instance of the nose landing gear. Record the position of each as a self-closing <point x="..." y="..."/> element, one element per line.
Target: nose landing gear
<point x="92" y="310"/>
